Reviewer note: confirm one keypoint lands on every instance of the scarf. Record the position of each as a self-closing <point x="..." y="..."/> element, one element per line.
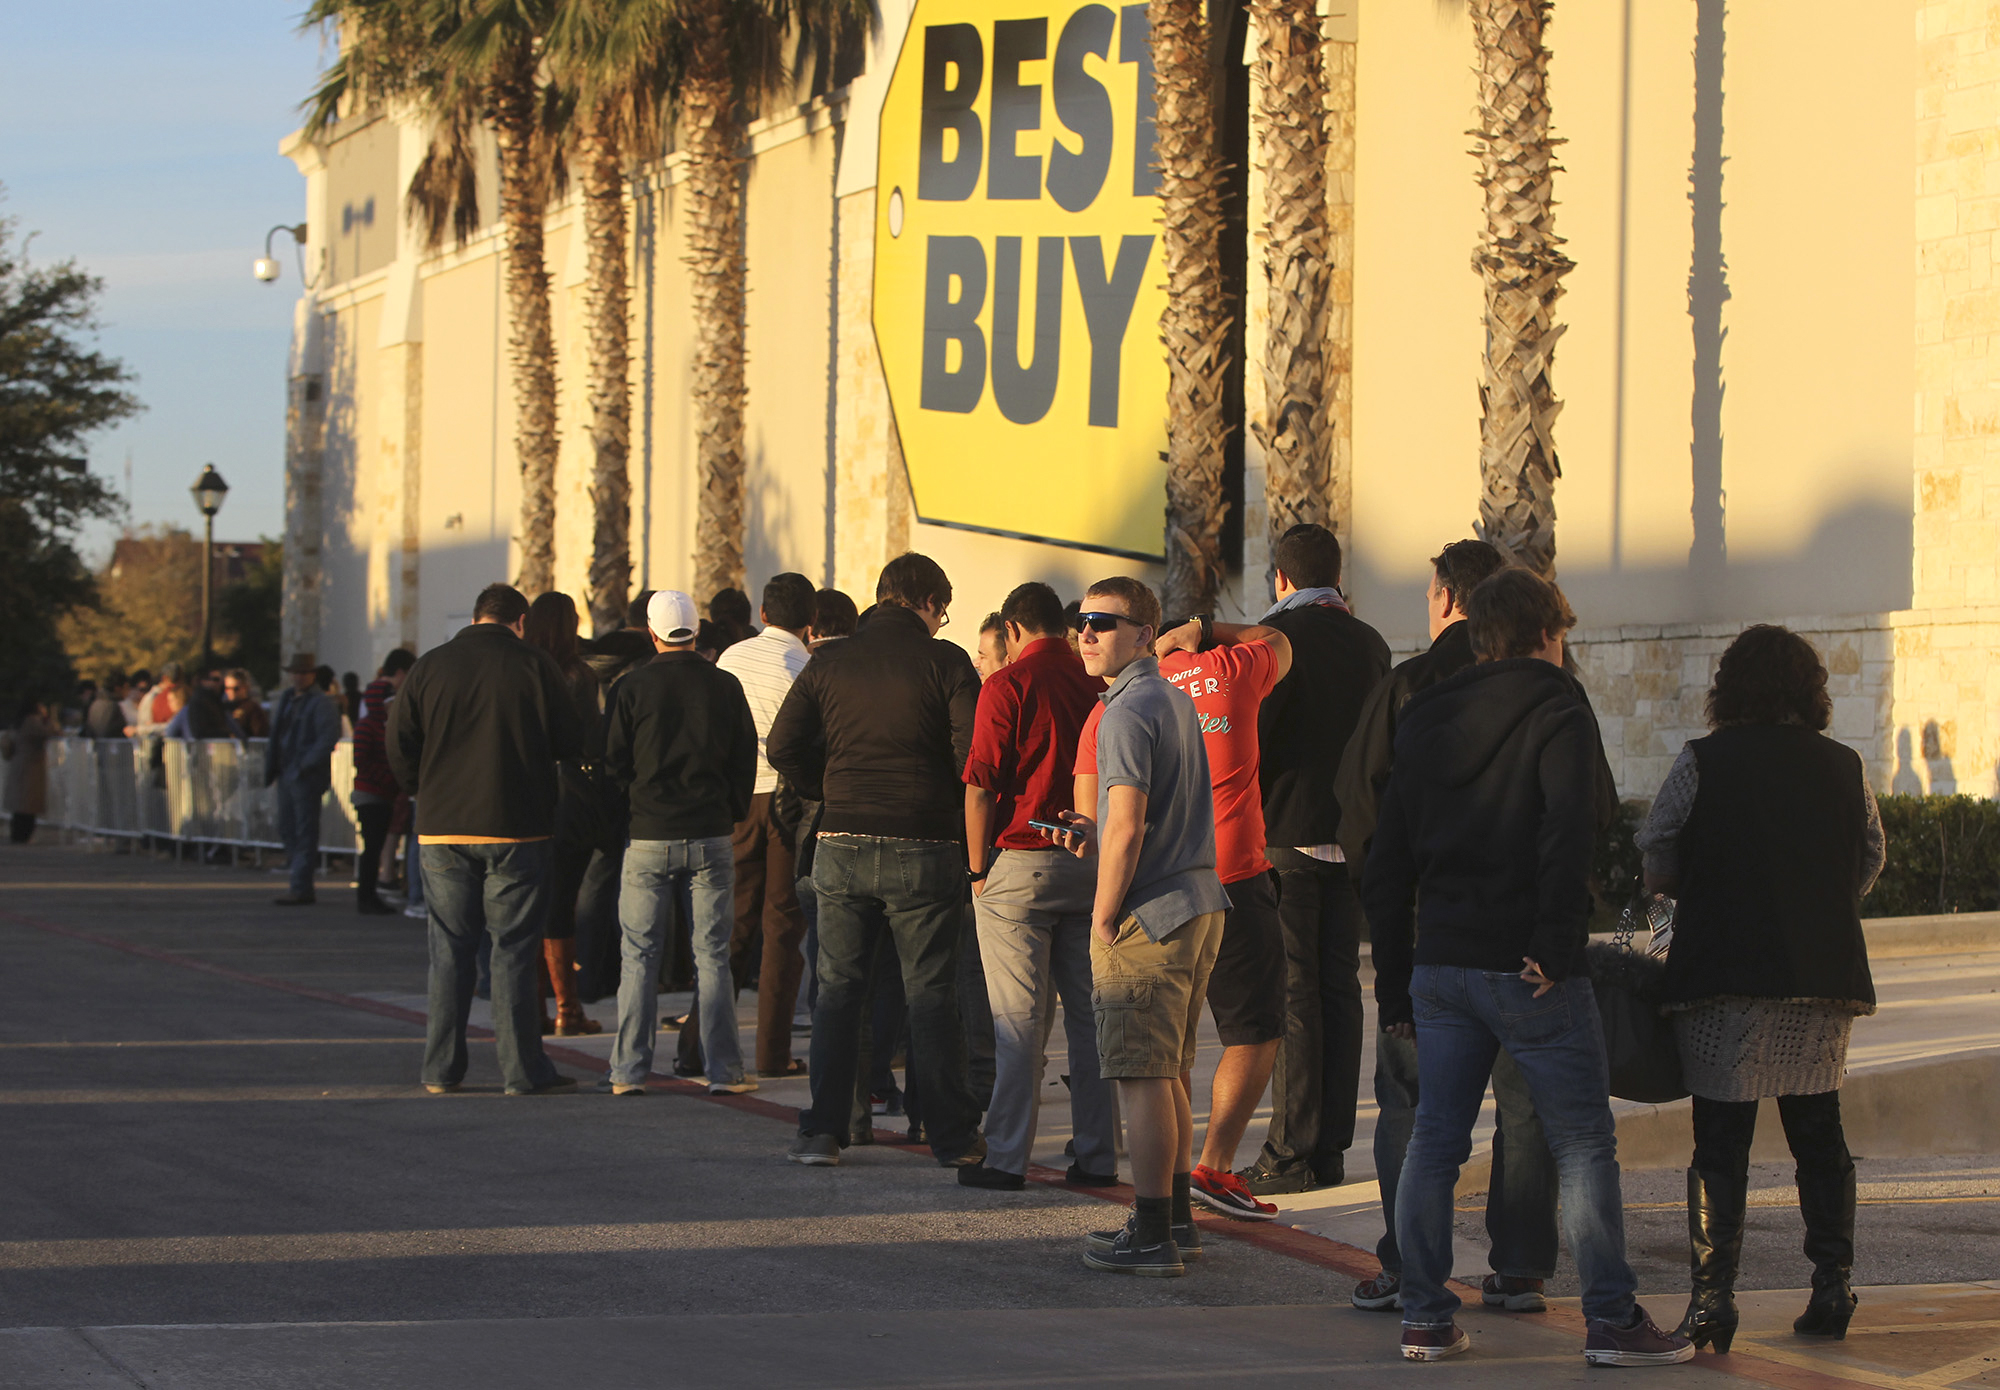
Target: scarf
<point x="1305" y="598"/>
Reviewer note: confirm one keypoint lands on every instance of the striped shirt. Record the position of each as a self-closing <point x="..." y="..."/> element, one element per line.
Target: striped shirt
<point x="765" y="666"/>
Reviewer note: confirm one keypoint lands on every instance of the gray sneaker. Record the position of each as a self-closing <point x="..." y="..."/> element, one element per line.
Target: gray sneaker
<point x="1641" y="1344"/>
<point x="815" y="1150"/>
<point x="1126" y="1256"/>
<point x="1186" y="1236"/>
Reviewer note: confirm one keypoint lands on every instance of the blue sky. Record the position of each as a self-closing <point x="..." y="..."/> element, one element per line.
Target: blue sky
<point x="142" y="141"/>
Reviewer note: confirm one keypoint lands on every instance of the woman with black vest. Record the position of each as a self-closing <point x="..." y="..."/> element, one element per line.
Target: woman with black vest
<point x="1767" y="833"/>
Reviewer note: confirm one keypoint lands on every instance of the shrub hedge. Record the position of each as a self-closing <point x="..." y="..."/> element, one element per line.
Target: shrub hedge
<point x="1943" y="856"/>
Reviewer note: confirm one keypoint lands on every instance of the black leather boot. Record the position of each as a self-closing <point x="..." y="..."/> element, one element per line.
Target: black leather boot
<point x="1826" y="1201"/>
<point x="1715" y="1247"/>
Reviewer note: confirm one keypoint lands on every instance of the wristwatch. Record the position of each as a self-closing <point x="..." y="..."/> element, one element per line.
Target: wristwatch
<point x="980" y="877"/>
<point x="1207" y="630"/>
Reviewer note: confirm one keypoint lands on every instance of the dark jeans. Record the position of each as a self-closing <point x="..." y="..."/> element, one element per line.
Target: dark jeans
<point x="1521" y="1197"/>
<point x="597" y="931"/>
<point x="912" y="893"/>
<point x="1316" y="1081"/>
<point x="374" y="817"/>
<point x="298" y="829"/>
<point x="496" y="892"/>
<point x="1464" y="1018"/>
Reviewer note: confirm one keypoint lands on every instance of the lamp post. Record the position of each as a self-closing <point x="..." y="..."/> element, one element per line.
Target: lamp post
<point x="208" y="490"/>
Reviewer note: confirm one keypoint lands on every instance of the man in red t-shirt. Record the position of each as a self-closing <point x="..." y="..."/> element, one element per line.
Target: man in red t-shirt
<point x="1227" y="676"/>
<point x="1032" y="900"/>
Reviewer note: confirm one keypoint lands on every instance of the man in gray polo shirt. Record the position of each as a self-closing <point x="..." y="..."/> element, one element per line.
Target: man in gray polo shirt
<point x="1156" y="922"/>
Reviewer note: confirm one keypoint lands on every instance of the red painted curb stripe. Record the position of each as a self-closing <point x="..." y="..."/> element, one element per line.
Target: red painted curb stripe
<point x="1303" y="1246"/>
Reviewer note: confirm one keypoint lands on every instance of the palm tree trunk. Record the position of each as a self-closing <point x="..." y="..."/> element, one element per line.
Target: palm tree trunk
<point x="715" y="256"/>
<point x="532" y="341"/>
<point x="1196" y="324"/>
<point x="1295" y="431"/>
<point x="1522" y="268"/>
<point x="610" y="373"/>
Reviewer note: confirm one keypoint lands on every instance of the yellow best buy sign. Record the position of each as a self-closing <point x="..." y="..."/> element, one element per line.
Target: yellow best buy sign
<point x="1018" y="284"/>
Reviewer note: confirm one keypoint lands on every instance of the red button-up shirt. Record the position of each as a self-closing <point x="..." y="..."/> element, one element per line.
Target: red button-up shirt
<point x="1024" y="737"/>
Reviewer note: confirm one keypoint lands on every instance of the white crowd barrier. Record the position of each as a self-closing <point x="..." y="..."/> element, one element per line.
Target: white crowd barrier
<point x="206" y="791"/>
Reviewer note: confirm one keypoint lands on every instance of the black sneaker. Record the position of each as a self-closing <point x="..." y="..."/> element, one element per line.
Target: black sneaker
<point x="620" y="1088"/>
<point x="1641" y="1344"/>
<point x="1264" y="1182"/>
<point x="1123" y="1256"/>
<point x="1186" y="1237"/>
<point x="815" y="1150"/>
<point x="1382" y="1294"/>
<point x="995" y="1179"/>
<point x="1077" y="1177"/>
<point x="547" y="1088"/>
<point x="1514" y="1294"/>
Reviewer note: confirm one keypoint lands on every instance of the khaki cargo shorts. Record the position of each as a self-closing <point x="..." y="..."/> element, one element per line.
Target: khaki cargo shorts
<point x="1147" y="996"/>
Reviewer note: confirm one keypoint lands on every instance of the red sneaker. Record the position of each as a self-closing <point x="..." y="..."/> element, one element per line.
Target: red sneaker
<point x="1226" y="1195"/>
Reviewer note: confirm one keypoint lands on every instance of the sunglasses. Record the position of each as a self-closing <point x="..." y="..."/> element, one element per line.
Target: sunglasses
<point x="1103" y="622"/>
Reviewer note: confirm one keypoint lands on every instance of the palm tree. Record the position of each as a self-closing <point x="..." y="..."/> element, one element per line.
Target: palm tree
<point x="1196" y="324"/>
<point x="1296" y="431"/>
<point x="1522" y="268"/>
<point x="618" y="62"/>
<point x="734" y="57"/>
<point x="465" y="62"/>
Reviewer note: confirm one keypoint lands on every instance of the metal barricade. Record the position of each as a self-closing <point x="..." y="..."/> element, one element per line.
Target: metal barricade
<point x="205" y="791"/>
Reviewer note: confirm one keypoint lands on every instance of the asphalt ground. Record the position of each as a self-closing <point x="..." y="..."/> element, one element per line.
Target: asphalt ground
<point x="222" y="1172"/>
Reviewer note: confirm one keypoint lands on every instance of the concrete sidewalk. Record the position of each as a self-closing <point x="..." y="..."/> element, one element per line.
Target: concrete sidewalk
<point x="222" y="1173"/>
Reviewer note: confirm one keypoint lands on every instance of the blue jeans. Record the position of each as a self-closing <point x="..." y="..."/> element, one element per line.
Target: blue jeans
<point x="1464" y="1017"/>
<point x="910" y="893"/>
<point x="298" y="828"/>
<point x="475" y="892"/>
<point x="701" y="874"/>
<point x="1520" y="1197"/>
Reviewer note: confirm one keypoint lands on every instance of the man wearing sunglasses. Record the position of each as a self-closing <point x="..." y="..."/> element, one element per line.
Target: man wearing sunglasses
<point x="1156" y="921"/>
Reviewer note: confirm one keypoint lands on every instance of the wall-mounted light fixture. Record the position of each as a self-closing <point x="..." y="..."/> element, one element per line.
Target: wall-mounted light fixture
<point x="266" y="267"/>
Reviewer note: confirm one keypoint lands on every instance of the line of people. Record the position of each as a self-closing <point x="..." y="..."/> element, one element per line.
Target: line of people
<point x="1135" y="820"/>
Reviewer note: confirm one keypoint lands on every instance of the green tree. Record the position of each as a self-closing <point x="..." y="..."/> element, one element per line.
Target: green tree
<point x="464" y="63"/>
<point x="55" y="391"/>
<point x="247" y="613"/>
<point x="148" y="608"/>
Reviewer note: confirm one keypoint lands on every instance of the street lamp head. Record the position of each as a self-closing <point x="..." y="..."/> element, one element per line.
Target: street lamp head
<point x="209" y="490"/>
<point x="265" y="268"/>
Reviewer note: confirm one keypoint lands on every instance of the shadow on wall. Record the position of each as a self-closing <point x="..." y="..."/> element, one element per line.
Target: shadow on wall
<point x="1708" y="291"/>
<point x="1858" y="561"/>
<point x="1937" y="777"/>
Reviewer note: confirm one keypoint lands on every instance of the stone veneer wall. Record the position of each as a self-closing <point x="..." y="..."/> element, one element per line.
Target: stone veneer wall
<point x="1913" y="693"/>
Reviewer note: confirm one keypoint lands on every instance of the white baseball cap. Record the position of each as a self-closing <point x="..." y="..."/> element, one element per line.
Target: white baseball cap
<point x="671" y="615"/>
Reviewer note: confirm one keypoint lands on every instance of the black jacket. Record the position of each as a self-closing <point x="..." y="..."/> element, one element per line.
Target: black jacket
<point x="1483" y="851"/>
<point x="1364" y="767"/>
<point x="878" y="728"/>
<point x="476" y="734"/>
<point x="1771" y="864"/>
<point x="1306" y="721"/>
<point x="1371" y="750"/>
<point x="679" y="738"/>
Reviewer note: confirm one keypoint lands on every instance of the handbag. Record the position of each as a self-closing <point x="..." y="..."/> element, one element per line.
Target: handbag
<point x="1639" y="1046"/>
